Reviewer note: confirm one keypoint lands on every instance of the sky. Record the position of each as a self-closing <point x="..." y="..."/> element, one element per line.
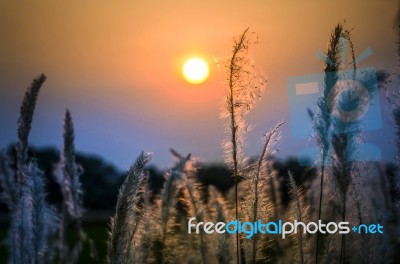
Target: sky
<point x="116" y="65"/>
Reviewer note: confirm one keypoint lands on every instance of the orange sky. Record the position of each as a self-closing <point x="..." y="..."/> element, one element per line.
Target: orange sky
<point x="116" y="65"/>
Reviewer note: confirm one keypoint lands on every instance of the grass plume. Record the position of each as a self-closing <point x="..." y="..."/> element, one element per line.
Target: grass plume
<point x="25" y="119"/>
<point x="244" y="88"/>
<point x="300" y="211"/>
<point x="67" y="174"/>
<point x="126" y="210"/>
<point x="270" y="140"/>
<point x="323" y="120"/>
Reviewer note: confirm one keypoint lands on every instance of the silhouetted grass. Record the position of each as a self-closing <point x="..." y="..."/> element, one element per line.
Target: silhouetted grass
<point x="151" y="227"/>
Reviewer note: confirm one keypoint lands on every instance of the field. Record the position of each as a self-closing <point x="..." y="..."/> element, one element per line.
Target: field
<point x="150" y="220"/>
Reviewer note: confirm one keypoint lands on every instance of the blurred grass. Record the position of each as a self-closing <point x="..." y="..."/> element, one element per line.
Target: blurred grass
<point x="96" y="231"/>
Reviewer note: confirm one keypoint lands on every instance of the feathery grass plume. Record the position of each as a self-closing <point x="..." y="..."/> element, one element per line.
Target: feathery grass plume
<point x="260" y="200"/>
<point x="323" y="119"/>
<point x="192" y="197"/>
<point x="167" y="213"/>
<point x="33" y="220"/>
<point x="67" y="174"/>
<point x="299" y="209"/>
<point x="141" y="211"/>
<point x="127" y="209"/>
<point x="196" y="206"/>
<point x="141" y="240"/>
<point x="244" y="88"/>
<point x="167" y="238"/>
<point x="274" y="205"/>
<point x="223" y="252"/>
<point x="8" y="183"/>
<point x="222" y="213"/>
<point x="25" y="120"/>
<point x="271" y="138"/>
<point x="344" y="144"/>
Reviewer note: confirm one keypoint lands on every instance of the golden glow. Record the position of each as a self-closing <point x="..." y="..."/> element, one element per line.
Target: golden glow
<point x="195" y="70"/>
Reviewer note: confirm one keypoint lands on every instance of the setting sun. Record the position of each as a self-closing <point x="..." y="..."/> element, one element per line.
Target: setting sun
<point x="195" y="70"/>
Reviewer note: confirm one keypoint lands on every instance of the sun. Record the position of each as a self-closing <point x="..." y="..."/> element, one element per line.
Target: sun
<point x="195" y="70"/>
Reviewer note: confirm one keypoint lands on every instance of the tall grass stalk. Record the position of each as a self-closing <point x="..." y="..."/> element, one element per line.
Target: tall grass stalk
<point x="243" y="91"/>
<point x="198" y="210"/>
<point x="223" y="252"/>
<point x="67" y="174"/>
<point x="344" y="145"/>
<point x="270" y="140"/>
<point x="168" y="200"/>
<point x="122" y="224"/>
<point x="300" y="211"/>
<point x="323" y="121"/>
<point x="33" y="220"/>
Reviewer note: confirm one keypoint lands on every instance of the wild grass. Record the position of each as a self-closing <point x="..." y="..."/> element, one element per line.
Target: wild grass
<point x="25" y="121"/>
<point x="129" y="212"/>
<point x="243" y="90"/>
<point x="153" y="227"/>
<point x="323" y="121"/>
<point x="67" y="174"/>
<point x="299" y="211"/>
<point x="34" y="222"/>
